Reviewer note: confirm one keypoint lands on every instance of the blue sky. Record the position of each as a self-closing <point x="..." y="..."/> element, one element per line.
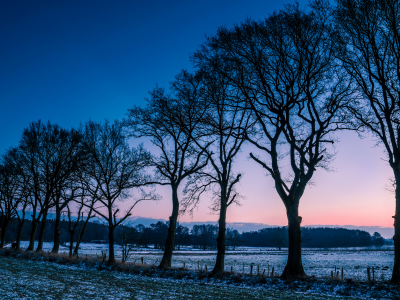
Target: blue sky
<point x="71" y="61"/>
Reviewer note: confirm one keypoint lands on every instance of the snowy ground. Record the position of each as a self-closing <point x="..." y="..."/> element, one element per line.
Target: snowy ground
<point x="26" y="279"/>
<point x="318" y="262"/>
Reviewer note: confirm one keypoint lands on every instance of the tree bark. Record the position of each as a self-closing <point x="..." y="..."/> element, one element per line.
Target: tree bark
<point x="220" y="262"/>
<point x="57" y="231"/>
<point x="33" y="235"/>
<point x="169" y="242"/>
<point x="71" y="243"/>
<point x="41" y="232"/>
<point x="19" y="232"/>
<point x="80" y="235"/>
<point x="1" y="225"/>
<point x="76" y="250"/>
<point x="396" y="237"/>
<point x="111" y="257"/>
<point x="294" y="266"/>
<point x="3" y="231"/>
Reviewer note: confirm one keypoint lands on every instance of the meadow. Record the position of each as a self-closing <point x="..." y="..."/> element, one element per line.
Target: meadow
<point x="319" y="262"/>
<point x="27" y="279"/>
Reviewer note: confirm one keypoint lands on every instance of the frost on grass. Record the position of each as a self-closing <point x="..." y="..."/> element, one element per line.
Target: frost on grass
<point x="25" y="279"/>
<point x="316" y="262"/>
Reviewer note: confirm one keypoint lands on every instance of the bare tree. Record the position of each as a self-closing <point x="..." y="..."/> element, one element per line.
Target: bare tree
<point x="279" y="237"/>
<point x="129" y="237"/>
<point x="87" y="198"/>
<point x="62" y="196"/>
<point x="10" y="193"/>
<point x="24" y="194"/>
<point x="170" y="121"/>
<point x="285" y="69"/>
<point x="114" y="170"/>
<point x="29" y="162"/>
<point x="21" y="220"/>
<point x="79" y="225"/>
<point x="71" y="157"/>
<point x="370" y="53"/>
<point x="12" y="157"/>
<point x="224" y="125"/>
<point x="233" y="238"/>
<point x="48" y="157"/>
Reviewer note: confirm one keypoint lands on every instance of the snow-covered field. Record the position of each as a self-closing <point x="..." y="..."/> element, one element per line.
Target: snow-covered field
<point x="26" y="279"/>
<point x="318" y="262"/>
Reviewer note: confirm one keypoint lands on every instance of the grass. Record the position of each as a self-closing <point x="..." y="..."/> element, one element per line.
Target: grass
<point x="44" y="280"/>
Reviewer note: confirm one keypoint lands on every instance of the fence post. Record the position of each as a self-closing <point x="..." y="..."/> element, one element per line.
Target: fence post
<point x="258" y="270"/>
<point x="251" y="269"/>
<point x="368" y="274"/>
<point x="342" y="273"/>
<point x="206" y="267"/>
<point x="142" y="259"/>
<point x="272" y="271"/>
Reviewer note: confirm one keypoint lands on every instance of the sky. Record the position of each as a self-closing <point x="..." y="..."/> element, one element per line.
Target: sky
<point x="71" y="61"/>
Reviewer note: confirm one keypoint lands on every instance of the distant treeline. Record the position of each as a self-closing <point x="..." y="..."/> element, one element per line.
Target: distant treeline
<point x="205" y="236"/>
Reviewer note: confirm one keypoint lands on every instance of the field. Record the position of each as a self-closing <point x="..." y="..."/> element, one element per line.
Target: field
<point x="317" y="262"/>
<point x="26" y="279"/>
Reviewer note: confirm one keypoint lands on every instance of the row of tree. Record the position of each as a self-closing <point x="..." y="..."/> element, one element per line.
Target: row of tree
<point x="284" y="85"/>
<point x="87" y="169"/>
<point x="200" y="236"/>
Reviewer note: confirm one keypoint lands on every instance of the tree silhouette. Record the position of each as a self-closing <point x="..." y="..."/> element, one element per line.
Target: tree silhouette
<point x="11" y="192"/>
<point x="223" y="126"/>
<point x="285" y="70"/>
<point x="169" y="121"/>
<point x="48" y="156"/>
<point x="114" y="169"/>
<point x="369" y="51"/>
<point x="377" y="239"/>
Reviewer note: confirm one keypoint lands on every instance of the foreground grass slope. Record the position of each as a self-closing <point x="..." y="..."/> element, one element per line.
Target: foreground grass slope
<point x="33" y="280"/>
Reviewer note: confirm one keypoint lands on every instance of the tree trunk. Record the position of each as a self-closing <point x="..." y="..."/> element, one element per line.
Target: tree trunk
<point x="71" y="243"/>
<point x="33" y="235"/>
<point x="42" y="231"/>
<point x="111" y="257"/>
<point x="294" y="266"/>
<point x="3" y="231"/>
<point x="80" y="235"/>
<point x="19" y="232"/>
<point x="169" y="242"/>
<point x="396" y="237"/>
<point x="57" y="231"/>
<point x="1" y="225"/>
<point x="220" y="262"/>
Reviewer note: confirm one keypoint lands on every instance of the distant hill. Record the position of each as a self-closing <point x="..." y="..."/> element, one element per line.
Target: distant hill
<point x="386" y="232"/>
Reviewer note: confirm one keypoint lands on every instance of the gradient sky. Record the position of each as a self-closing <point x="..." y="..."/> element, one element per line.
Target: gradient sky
<point x="72" y="61"/>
